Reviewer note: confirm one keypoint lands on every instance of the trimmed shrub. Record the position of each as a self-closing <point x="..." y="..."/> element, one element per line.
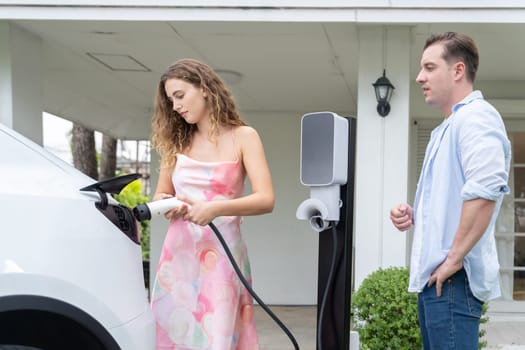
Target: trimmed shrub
<point x="384" y="313"/>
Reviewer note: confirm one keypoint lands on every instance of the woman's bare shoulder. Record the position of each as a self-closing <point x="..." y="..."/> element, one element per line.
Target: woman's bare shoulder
<point x="245" y="131"/>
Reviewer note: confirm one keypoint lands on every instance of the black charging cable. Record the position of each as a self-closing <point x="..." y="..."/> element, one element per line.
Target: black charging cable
<point x="249" y="288"/>
<point x="329" y="284"/>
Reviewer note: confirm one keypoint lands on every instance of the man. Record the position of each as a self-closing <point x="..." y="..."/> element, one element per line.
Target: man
<point x="454" y="264"/>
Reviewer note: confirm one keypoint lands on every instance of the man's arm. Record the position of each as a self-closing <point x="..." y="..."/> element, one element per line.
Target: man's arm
<point x="475" y="218"/>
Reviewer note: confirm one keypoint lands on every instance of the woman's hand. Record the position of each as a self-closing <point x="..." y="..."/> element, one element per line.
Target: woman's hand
<point x="175" y="212"/>
<point x="199" y="212"/>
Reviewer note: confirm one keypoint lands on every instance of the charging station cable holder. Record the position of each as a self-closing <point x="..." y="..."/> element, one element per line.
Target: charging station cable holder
<point x="324" y="167"/>
<point x="321" y="208"/>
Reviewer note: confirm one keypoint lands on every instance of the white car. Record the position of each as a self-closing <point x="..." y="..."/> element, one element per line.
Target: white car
<point x="70" y="259"/>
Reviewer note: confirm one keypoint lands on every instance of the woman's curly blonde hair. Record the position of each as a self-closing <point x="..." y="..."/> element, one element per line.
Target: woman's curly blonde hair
<point x="171" y="133"/>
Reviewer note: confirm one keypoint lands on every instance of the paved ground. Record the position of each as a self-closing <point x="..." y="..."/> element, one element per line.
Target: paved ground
<point x="504" y="332"/>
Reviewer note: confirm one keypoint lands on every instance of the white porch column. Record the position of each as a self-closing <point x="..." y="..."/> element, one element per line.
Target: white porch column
<point x="382" y="150"/>
<point x="21" y="72"/>
<point x="159" y="225"/>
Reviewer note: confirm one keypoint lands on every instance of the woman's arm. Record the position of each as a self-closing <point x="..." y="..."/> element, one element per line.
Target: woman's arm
<point x="165" y="190"/>
<point x="260" y="201"/>
<point x="164" y="185"/>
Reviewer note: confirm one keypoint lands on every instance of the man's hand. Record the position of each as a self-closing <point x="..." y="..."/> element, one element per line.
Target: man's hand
<point x="443" y="272"/>
<point x="402" y="216"/>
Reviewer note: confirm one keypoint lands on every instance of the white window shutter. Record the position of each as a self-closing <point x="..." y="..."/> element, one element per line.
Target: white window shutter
<point x="423" y="131"/>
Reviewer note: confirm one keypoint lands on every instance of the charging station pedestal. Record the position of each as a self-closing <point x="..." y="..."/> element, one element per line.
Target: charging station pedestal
<point x="328" y="167"/>
<point x="335" y="332"/>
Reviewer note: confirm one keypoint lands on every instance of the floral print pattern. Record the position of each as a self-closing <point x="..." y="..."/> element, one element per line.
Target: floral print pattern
<point x="198" y="300"/>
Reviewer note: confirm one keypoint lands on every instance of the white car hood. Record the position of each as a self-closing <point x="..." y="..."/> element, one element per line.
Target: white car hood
<point x="28" y="168"/>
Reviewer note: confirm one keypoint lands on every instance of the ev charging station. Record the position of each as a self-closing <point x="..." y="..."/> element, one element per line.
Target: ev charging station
<point x="327" y="166"/>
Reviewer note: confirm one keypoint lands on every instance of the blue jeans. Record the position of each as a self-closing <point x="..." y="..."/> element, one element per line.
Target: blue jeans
<point x="450" y="322"/>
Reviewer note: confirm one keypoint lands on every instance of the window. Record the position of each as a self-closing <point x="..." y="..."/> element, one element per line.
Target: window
<point x="510" y="227"/>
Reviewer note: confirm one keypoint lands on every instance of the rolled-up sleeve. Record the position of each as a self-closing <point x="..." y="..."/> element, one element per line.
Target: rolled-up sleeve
<point x="485" y="156"/>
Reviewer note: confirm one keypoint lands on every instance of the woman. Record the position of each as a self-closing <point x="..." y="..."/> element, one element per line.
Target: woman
<point x="206" y="153"/>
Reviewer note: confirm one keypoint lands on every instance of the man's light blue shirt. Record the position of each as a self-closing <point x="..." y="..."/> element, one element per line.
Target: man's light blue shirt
<point x="467" y="157"/>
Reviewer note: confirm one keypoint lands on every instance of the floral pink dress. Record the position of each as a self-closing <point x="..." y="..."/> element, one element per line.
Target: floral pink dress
<point x="198" y="300"/>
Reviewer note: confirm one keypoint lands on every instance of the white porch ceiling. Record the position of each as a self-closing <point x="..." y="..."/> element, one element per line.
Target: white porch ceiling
<point x="288" y="68"/>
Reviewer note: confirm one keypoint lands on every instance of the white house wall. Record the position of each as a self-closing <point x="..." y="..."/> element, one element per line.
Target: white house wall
<point x="382" y="151"/>
<point x="21" y="81"/>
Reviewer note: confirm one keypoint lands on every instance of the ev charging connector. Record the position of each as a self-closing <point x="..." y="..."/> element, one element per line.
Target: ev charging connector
<point x="324" y="167"/>
<point x="146" y="210"/>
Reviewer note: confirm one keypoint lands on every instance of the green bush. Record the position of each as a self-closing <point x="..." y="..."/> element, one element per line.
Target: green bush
<point x="484" y="319"/>
<point x="131" y="196"/>
<point x="384" y="313"/>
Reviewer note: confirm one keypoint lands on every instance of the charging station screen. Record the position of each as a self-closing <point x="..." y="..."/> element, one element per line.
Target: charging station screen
<point x="317" y="149"/>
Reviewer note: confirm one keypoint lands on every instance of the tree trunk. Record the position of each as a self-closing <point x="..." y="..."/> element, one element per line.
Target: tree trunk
<point x="108" y="159"/>
<point x="84" y="152"/>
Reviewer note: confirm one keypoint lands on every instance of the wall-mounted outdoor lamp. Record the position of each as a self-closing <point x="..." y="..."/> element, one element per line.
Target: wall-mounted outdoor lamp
<point x="383" y="88"/>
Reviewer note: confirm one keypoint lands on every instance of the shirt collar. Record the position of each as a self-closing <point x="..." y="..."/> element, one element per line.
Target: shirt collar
<point x="474" y="95"/>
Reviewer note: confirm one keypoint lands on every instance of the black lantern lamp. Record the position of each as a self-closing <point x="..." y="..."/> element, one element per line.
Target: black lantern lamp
<point x="384" y="89"/>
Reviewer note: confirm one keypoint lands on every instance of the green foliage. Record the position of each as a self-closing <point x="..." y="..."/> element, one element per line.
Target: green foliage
<point x="384" y="313"/>
<point x="484" y="319"/>
<point x="131" y="196"/>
